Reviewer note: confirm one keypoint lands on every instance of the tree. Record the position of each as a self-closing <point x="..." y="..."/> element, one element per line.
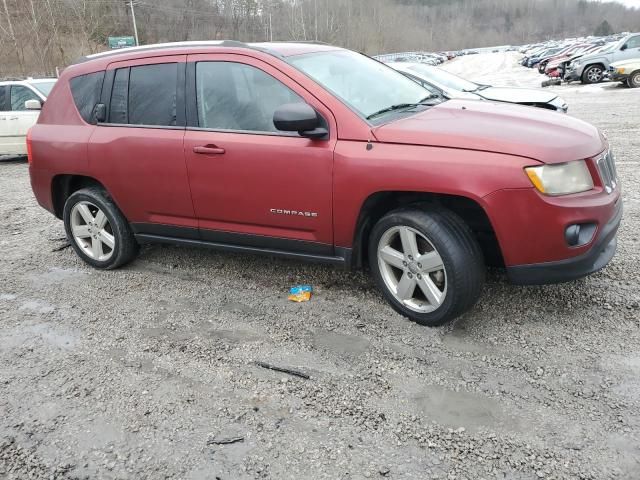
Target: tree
<point x="603" y="29"/>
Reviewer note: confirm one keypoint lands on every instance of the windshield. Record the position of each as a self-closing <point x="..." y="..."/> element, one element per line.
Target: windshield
<point x="365" y="85"/>
<point x="43" y="87"/>
<point x="444" y="78"/>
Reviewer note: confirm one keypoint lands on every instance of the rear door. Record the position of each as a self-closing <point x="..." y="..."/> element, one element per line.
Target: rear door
<point x="4" y="119"/>
<point x="138" y="151"/>
<point x="251" y="184"/>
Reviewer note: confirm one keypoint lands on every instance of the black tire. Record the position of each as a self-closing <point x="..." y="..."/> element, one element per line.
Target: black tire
<point x="634" y="80"/>
<point x="458" y="249"/>
<point x="593" y="74"/>
<point x="125" y="247"/>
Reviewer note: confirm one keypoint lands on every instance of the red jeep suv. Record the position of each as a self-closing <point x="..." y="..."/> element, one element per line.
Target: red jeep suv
<point x="319" y="153"/>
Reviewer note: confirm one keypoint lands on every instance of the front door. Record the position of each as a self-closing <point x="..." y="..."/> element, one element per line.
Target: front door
<point x="251" y="184"/>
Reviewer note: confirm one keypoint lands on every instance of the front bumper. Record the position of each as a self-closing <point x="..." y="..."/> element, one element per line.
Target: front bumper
<point x="618" y="77"/>
<point x="573" y="75"/>
<point x="596" y="258"/>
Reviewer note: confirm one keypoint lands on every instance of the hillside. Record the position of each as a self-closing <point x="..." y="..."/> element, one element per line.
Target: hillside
<point x="39" y="35"/>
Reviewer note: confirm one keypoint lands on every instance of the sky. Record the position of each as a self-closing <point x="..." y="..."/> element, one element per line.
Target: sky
<point x="630" y="3"/>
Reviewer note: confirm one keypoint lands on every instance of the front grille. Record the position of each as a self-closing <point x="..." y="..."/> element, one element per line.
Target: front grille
<point x="607" y="169"/>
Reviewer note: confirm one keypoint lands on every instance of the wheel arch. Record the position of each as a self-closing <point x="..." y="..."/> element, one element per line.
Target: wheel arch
<point x="599" y="63"/>
<point x="64" y="185"/>
<point x="470" y="210"/>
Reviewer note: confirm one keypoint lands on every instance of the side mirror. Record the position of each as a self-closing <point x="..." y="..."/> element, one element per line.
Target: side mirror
<point x="624" y="47"/>
<point x="301" y="118"/>
<point x="100" y="113"/>
<point x="33" y="105"/>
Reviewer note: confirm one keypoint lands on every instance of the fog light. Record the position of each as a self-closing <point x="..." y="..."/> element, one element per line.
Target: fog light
<point x="579" y="234"/>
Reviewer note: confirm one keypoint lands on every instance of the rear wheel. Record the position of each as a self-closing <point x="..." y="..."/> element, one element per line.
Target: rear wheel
<point x="634" y="80"/>
<point x="97" y="230"/>
<point x="427" y="263"/>
<point x="593" y="74"/>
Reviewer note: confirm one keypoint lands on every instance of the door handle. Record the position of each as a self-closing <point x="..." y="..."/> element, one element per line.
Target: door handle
<point x="209" y="150"/>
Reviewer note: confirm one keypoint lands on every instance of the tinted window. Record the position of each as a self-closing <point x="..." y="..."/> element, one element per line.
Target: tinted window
<point x="86" y="91"/>
<point x="19" y="95"/>
<point x="152" y="94"/>
<point x="234" y="96"/>
<point x="118" y="111"/>
<point x="3" y="99"/>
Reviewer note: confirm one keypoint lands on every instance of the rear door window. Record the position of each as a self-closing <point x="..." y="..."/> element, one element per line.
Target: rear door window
<point x="153" y="94"/>
<point x="86" y="90"/>
<point x="19" y="95"/>
<point x="145" y="95"/>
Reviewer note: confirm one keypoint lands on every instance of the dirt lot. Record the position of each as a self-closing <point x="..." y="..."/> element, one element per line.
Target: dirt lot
<point x="141" y="373"/>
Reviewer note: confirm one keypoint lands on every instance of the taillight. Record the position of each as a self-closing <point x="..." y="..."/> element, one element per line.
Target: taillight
<point x="29" y="151"/>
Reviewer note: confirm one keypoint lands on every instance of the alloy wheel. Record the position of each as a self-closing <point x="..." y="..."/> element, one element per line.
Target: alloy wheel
<point x="92" y="231"/>
<point x="594" y="75"/>
<point x="412" y="269"/>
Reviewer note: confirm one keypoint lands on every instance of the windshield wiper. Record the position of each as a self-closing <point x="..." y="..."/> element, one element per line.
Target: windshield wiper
<point x="402" y="106"/>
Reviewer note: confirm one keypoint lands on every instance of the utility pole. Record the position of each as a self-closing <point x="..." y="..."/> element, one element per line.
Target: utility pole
<point x="135" y="26"/>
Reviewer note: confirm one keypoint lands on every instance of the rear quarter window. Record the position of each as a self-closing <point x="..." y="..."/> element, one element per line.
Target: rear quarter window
<point x="86" y="90"/>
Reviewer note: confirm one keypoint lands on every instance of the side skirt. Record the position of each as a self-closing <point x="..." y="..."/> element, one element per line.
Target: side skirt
<point x="343" y="257"/>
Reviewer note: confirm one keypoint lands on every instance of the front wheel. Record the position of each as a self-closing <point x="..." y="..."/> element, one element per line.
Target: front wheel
<point x="427" y="263"/>
<point x="97" y="230"/>
<point x="634" y="80"/>
<point x="593" y="74"/>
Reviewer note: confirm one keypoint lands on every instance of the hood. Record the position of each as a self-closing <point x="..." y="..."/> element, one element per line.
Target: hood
<point x="627" y="63"/>
<point x="530" y="132"/>
<point x="590" y="56"/>
<point x="516" y="95"/>
<point x="554" y="62"/>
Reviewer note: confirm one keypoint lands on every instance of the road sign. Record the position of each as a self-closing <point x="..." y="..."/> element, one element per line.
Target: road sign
<point x="121" y="42"/>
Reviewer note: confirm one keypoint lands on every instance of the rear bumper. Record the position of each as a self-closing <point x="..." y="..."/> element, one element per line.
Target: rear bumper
<point x="596" y="258"/>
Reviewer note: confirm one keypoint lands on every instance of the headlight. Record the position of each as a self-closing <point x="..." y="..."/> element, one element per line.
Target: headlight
<point x="561" y="178"/>
<point x="620" y="70"/>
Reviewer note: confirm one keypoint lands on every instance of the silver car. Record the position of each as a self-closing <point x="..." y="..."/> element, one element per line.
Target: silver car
<point x="592" y="68"/>
<point x="452" y="86"/>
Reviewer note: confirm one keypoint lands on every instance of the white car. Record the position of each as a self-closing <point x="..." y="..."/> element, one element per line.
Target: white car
<point x="20" y="104"/>
<point x="453" y="86"/>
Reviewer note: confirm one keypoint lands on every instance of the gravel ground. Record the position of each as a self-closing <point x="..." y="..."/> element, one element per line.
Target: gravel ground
<point x="148" y="371"/>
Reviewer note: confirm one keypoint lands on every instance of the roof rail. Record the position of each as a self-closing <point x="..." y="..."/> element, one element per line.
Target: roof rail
<point x="159" y="46"/>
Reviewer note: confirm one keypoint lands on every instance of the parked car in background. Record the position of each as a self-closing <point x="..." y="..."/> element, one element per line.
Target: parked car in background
<point x="20" y="104"/>
<point x="627" y="71"/>
<point x="592" y="68"/>
<point x="455" y="87"/>
<point x="557" y="66"/>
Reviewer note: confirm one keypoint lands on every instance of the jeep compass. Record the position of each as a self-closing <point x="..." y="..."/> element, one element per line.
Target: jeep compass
<point x="319" y="153"/>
